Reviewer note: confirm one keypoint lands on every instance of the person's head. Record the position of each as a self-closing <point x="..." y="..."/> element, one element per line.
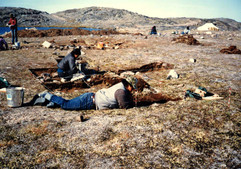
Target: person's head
<point x="130" y="83"/>
<point x="76" y="52"/>
<point x="11" y="15"/>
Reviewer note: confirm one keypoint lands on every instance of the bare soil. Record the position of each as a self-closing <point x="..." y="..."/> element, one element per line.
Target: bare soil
<point x="166" y="132"/>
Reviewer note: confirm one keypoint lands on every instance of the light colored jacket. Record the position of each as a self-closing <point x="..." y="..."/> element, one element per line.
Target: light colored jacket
<point x="105" y="98"/>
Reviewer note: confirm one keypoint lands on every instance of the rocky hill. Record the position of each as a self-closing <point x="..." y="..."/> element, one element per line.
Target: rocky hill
<point x="27" y="17"/>
<point x="100" y="17"/>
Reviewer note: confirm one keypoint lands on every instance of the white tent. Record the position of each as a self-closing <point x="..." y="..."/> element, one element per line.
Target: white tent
<point x="208" y="27"/>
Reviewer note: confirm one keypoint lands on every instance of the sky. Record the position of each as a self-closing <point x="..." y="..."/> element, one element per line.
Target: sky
<point x="152" y="8"/>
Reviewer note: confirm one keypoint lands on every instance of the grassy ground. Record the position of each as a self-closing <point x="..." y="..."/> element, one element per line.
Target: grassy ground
<point x="187" y="133"/>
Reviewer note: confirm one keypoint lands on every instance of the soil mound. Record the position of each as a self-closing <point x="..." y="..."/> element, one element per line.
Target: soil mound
<point x="149" y="67"/>
<point x="231" y="50"/>
<point x="188" y="39"/>
<point x="60" y="32"/>
<point x="154" y="98"/>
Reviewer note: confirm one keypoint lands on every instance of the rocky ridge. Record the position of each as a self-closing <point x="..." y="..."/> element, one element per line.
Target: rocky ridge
<point x="100" y="17"/>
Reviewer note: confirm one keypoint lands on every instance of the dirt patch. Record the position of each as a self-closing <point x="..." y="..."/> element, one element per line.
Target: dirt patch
<point x="61" y="32"/>
<point x="188" y="39"/>
<point x="149" y="67"/>
<point x="94" y="77"/>
<point x="53" y="83"/>
<point x="151" y="98"/>
<point x="231" y="50"/>
<point x="176" y="134"/>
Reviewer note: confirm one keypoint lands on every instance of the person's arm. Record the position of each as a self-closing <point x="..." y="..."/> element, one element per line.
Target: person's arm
<point x="124" y="99"/>
<point x="72" y="65"/>
<point x="6" y="44"/>
<point x="14" y="21"/>
<point x="10" y="21"/>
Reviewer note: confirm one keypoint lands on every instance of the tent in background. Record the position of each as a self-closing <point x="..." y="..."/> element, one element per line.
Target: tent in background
<point x="208" y="27"/>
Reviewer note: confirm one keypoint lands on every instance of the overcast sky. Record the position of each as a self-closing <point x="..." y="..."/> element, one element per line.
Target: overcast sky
<point x="153" y="8"/>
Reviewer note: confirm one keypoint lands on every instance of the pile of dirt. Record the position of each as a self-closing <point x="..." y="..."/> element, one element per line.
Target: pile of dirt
<point x="151" y="98"/>
<point x="149" y="67"/>
<point x="188" y="39"/>
<point x="231" y="50"/>
<point x="60" y="32"/>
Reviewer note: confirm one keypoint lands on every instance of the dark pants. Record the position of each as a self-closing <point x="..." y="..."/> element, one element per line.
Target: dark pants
<point x="65" y="74"/>
<point x="82" y="102"/>
<point x="14" y="35"/>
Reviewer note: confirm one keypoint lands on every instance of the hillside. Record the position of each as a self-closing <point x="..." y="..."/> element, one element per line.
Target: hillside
<point x="27" y="17"/>
<point x="110" y="17"/>
<point x="100" y="17"/>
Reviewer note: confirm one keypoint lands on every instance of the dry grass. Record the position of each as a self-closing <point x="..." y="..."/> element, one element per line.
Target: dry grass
<point x="187" y="133"/>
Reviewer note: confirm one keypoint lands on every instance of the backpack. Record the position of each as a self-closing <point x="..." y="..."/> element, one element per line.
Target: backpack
<point x="4" y="83"/>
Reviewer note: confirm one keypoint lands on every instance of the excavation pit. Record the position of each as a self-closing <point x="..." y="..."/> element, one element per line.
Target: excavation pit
<point x="50" y="80"/>
<point x="155" y="66"/>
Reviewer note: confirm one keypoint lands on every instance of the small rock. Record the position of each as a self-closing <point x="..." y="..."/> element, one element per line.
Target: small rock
<point x="172" y="75"/>
<point x="56" y="53"/>
<point x="192" y="60"/>
<point x="47" y="44"/>
<point x="127" y="73"/>
<point x="61" y="48"/>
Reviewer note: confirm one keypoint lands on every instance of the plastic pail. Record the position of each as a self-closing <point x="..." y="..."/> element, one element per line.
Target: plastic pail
<point x="17" y="44"/>
<point x="15" y="96"/>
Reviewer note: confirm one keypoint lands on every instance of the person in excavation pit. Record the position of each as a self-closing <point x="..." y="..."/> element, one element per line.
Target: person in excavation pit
<point x="67" y="66"/>
<point x="117" y="96"/>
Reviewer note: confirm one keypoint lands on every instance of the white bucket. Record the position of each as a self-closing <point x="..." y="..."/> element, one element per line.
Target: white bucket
<point x="17" y="44"/>
<point x="15" y="96"/>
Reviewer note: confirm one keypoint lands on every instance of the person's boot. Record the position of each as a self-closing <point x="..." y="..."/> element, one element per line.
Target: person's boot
<point x="51" y="105"/>
<point x="37" y="101"/>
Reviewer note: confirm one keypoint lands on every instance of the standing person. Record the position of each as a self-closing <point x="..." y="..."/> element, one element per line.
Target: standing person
<point x="14" y="28"/>
<point x="186" y="30"/>
<point x="67" y="66"/>
<point x="117" y="96"/>
<point x="153" y="30"/>
<point x="3" y="44"/>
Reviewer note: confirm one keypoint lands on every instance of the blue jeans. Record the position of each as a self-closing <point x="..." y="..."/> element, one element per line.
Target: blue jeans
<point x="65" y="74"/>
<point x="14" y="35"/>
<point x="82" y="102"/>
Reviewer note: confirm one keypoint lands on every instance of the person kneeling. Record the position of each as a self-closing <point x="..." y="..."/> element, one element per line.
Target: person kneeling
<point x="67" y="66"/>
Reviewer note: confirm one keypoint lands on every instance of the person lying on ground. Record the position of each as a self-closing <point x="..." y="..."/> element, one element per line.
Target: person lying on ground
<point x="3" y="44"/>
<point x="117" y="96"/>
<point x="67" y="66"/>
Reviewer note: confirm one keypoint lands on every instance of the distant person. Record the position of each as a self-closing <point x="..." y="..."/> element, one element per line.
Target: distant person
<point x="153" y="30"/>
<point x="14" y="28"/>
<point x="67" y="66"/>
<point x="117" y="96"/>
<point x="3" y="44"/>
<point x="186" y="30"/>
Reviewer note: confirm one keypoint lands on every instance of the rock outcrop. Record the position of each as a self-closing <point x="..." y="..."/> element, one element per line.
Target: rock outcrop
<point x="100" y="17"/>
